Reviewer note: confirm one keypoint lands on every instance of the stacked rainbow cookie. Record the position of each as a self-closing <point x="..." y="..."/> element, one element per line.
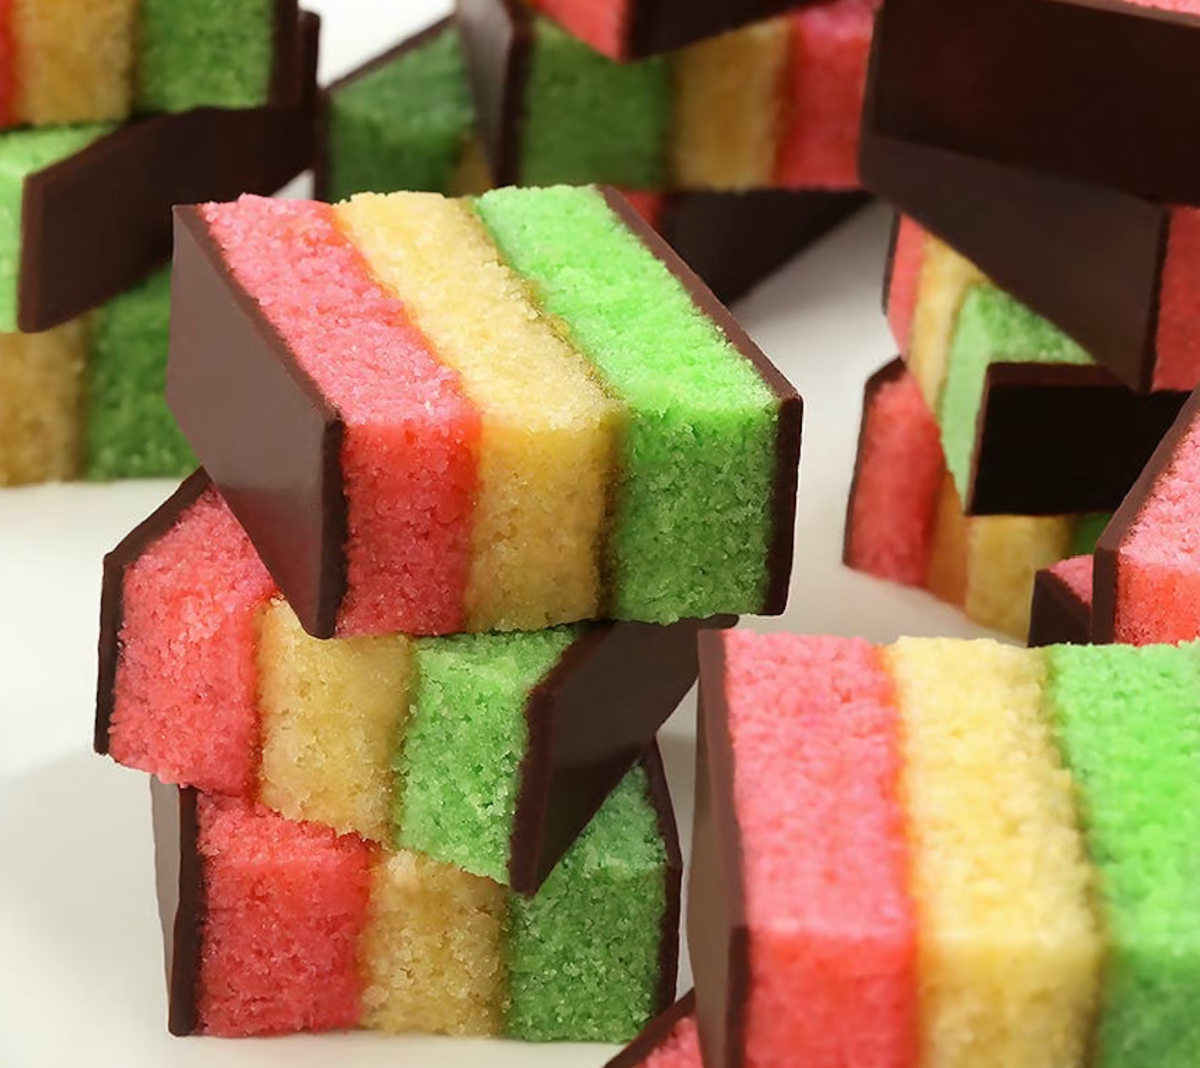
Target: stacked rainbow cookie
<point x="477" y="472"/>
<point x="111" y="112"/>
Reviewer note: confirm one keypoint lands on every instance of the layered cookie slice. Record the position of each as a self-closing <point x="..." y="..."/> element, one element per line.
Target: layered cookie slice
<point x="274" y="926"/>
<point x="488" y="751"/>
<point x="505" y="413"/>
<point x="1062" y="604"/>
<point x="976" y="883"/>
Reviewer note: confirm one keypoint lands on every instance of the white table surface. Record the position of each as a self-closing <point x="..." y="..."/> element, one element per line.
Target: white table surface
<point x="80" y="949"/>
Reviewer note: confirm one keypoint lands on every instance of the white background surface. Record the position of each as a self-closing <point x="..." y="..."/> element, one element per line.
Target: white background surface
<point x="80" y="949"/>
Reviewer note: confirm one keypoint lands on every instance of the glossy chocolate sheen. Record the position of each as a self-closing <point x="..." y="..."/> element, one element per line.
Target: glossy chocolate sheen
<point x="655" y="1034"/>
<point x="181" y="902"/>
<point x="1058" y="616"/>
<point x="1054" y="439"/>
<point x="1105" y="559"/>
<point x="96" y="223"/>
<point x="1086" y="258"/>
<point x="718" y="936"/>
<point x="1096" y="90"/>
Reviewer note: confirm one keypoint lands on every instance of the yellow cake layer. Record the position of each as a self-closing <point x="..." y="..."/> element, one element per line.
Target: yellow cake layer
<point x="943" y="283"/>
<point x="728" y="94"/>
<point x="332" y="712"/>
<point x="473" y="173"/>
<point x="74" y="59"/>
<point x="41" y="404"/>
<point x="947" y="576"/>
<point x="432" y="953"/>
<point x="1004" y="555"/>
<point x="1009" y="945"/>
<point x="549" y="440"/>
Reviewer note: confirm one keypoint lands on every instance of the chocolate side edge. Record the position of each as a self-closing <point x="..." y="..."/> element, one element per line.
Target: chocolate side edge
<point x="286" y="85"/>
<point x="655" y="1033"/>
<point x="658" y="26"/>
<point x="112" y="596"/>
<point x="1058" y="616"/>
<point x="781" y="542"/>
<point x="659" y="795"/>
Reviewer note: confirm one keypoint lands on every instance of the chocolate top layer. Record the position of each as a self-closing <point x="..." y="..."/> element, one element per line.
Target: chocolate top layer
<point x="664" y="810"/>
<point x="1058" y="616"/>
<point x="791" y="406"/>
<point x="655" y="1034"/>
<point x="665" y="25"/>
<point x="287" y="67"/>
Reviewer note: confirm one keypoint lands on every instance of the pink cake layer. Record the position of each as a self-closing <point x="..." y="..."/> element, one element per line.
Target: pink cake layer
<point x="1076" y="574"/>
<point x="8" y="66"/>
<point x="285" y="903"/>
<point x="907" y="257"/>
<point x="1178" y="341"/>
<point x="600" y="23"/>
<point x="681" y="1048"/>
<point x="408" y="458"/>
<point x="901" y="468"/>
<point x="648" y="205"/>
<point x="827" y="82"/>
<point x="815" y="735"/>
<point x="185" y="701"/>
<point x="1158" y="566"/>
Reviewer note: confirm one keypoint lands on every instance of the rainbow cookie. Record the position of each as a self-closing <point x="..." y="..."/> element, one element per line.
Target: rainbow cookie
<point x="937" y="852"/>
<point x="273" y="927"/>
<point x="488" y="751"/>
<point x="1062" y="604"/>
<point x="775" y="104"/>
<point x="905" y="522"/>
<point x="670" y="1040"/>
<point x="105" y="60"/>
<point x="1029" y="423"/>
<point x="370" y="143"/>
<point x="942" y="74"/>
<point x="538" y="415"/>
<point x="85" y="210"/>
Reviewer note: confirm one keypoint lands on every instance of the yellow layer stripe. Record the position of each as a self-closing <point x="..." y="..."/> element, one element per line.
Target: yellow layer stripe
<point x="74" y="60"/>
<point x="1004" y="555"/>
<point x="549" y="441"/>
<point x="1009" y="944"/>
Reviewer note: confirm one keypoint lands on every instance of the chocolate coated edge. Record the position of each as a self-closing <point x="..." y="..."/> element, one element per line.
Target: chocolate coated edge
<point x="318" y="613"/>
<point x="655" y="1033"/>
<point x="112" y="598"/>
<point x="1057" y="617"/>
<point x="658" y="26"/>
<point x="889" y="372"/>
<point x="664" y="811"/>
<point x="587" y="722"/>
<point x="1106" y="559"/>
<point x="718" y="936"/>
<point x="1060" y="438"/>
<point x="287" y="61"/>
<point x="181" y="899"/>
<point x="791" y="406"/>
<point x="889" y="268"/>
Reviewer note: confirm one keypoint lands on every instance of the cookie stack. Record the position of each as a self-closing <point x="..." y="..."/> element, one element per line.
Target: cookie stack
<point x="1043" y="278"/>
<point x="404" y="779"/>
<point x="107" y="119"/>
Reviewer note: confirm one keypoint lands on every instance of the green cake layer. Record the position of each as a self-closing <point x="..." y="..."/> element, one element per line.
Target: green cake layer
<point x="612" y="880"/>
<point x="588" y="119"/>
<point x="22" y="153"/>
<point x="205" y="53"/>
<point x="1086" y="531"/>
<point x="403" y="126"/>
<point x="697" y="409"/>
<point x="131" y="433"/>
<point x="458" y="771"/>
<point x="1129" y="726"/>
<point x="991" y="328"/>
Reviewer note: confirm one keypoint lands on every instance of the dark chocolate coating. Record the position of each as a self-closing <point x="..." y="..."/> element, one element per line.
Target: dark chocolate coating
<point x="1086" y="258"/>
<point x="261" y="426"/>
<point x="664" y="810"/>
<point x="1105" y="559"/>
<point x="664" y="25"/>
<point x="1097" y="90"/>
<point x="288" y="86"/>
<point x="181" y="904"/>
<point x="791" y="406"/>
<point x="1055" y="439"/>
<point x="718" y="936"/>
<point x="655" y="1034"/>
<point x="1058" y="616"/>
<point x="95" y="224"/>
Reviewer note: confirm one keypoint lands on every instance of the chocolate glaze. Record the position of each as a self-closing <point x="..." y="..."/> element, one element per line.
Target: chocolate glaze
<point x="791" y="407"/>
<point x="287" y="67"/>
<point x="1086" y="258"/>
<point x="1058" y="616"/>
<point x="112" y="611"/>
<point x="1097" y="90"/>
<point x="1106" y="560"/>
<point x="664" y="811"/>
<point x="1054" y="439"/>
<point x="180" y="878"/>
<point x="95" y="224"/>
<point x="655" y="1034"/>
<point x="261" y="426"/>
<point x="656" y="26"/>
<point x="718" y="936"/>
<point x="588" y="721"/>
